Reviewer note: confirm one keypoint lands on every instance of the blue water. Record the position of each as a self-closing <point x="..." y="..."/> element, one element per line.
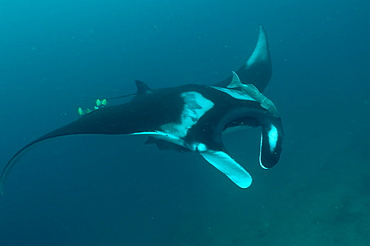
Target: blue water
<point x="94" y="190"/>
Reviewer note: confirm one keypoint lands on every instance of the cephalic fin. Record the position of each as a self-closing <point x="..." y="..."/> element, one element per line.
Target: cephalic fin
<point x="228" y="166"/>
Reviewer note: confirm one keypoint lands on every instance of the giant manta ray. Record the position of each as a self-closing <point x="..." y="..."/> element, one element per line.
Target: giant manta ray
<point x="192" y="117"/>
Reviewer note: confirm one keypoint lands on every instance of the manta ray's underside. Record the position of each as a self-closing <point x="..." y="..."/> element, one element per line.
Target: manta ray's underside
<point x="192" y="117"/>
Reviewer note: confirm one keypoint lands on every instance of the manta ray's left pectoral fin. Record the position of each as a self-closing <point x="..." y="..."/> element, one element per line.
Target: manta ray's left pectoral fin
<point x="227" y="165"/>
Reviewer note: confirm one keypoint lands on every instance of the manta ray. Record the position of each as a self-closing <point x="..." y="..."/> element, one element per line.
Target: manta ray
<point x="191" y="117"/>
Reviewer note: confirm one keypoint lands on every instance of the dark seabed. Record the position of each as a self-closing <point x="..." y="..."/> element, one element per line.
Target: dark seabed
<point x="102" y="190"/>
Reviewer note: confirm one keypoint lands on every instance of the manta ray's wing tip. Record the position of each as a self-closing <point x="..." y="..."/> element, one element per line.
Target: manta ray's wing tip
<point x="2" y="180"/>
<point x="1" y="186"/>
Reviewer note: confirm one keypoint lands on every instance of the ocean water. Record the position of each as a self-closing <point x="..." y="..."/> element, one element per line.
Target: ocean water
<point x="112" y="190"/>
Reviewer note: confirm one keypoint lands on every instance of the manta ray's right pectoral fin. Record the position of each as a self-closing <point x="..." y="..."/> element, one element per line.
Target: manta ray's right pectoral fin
<point x="257" y="70"/>
<point x="227" y="165"/>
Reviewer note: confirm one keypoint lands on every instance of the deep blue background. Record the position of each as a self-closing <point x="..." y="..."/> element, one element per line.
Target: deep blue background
<point x="56" y="55"/>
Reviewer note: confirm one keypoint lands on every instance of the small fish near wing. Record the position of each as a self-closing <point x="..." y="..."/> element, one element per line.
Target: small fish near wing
<point x="134" y="117"/>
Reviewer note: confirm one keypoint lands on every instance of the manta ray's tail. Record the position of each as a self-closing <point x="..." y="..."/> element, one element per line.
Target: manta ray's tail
<point x="257" y="70"/>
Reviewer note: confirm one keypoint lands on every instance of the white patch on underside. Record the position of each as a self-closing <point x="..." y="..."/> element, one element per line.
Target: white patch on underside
<point x="195" y="106"/>
<point x="273" y="138"/>
<point x="241" y="95"/>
